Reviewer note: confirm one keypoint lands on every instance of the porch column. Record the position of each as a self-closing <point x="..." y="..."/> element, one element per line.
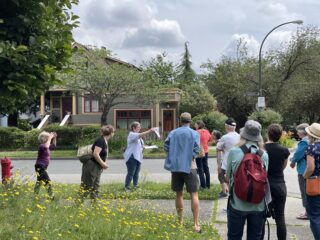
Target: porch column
<point x="74" y="104"/>
<point x="42" y="105"/>
<point x="157" y="114"/>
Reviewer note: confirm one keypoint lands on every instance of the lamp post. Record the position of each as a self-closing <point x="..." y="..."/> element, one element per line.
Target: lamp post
<point x="260" y="88"/>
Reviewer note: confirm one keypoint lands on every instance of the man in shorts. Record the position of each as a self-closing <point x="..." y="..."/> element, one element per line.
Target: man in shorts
<point x="227" y="141"/>
<point x="182" y="146"/>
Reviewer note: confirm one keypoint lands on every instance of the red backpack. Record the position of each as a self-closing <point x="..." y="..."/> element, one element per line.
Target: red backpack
<point x="250" y="179"/>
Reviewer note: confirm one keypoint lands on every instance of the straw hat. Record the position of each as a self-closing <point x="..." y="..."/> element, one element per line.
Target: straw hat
<point x="314" y="130"/>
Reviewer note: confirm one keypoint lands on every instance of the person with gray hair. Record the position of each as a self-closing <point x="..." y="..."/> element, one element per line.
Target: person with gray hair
<point x="299" y="160"/>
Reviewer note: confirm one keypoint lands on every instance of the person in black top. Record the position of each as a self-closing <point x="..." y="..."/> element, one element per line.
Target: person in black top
<point x="278" y="158"/>
<point x="92" y="169"/>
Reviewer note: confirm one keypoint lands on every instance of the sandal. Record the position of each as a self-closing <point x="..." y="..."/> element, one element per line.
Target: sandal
<point x="303" y="216"/>
<point x="197" y="230"/>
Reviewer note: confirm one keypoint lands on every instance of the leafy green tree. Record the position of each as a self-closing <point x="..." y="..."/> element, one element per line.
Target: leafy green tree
<point x="186" y="74"/>
<point x="160" y="70"/>
<point x="293" y="77"/>
<point x="197" y="99"/>
<point x="231" y="81"/>
<point x="35" y="42"/>
<point x="111" y="84"/>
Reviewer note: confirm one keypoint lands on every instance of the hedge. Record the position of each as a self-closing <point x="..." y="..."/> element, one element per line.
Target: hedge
<point x="12" y="138"/>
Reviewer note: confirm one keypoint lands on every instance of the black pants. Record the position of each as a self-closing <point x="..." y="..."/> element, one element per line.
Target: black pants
<point x="203" y="171"/>
<point x="279" y="196"/>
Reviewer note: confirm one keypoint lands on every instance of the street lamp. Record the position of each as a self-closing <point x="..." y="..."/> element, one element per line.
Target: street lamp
<point x="295" y="22"/>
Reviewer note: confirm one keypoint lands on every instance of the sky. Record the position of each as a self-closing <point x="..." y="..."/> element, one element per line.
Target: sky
<point x="138" y="30"/>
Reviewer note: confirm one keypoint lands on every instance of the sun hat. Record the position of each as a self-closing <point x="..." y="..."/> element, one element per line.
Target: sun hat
<point x="230" y="122"/>
<point x="251" y="131"/>
<point x="302" y="127"/>
<point x="314" y="130"/>
<point x="185" y="117"/>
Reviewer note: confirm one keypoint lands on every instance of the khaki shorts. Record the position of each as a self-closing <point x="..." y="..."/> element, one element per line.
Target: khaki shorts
<point x="178" y="179"/>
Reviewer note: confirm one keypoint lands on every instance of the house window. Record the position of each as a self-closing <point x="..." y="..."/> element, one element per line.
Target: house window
<point x="124" y="118"/>
<point x="91" y="104"/>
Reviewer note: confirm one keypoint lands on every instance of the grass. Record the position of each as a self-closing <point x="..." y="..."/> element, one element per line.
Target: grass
<point x="117" y="215"/>
<point x="73" y="153"/>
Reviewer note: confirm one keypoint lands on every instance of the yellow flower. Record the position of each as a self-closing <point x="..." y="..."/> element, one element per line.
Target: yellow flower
<point x="28" y="210"/>
<point x="59" y="234"/>
<point x="35" y="238"/>
<point x="76" y="225"/>
<point x="30" y="232"/>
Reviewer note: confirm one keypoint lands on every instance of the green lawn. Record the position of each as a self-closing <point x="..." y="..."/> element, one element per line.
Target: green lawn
<point x="73" y="153"/>
<point x="117" y="215"/>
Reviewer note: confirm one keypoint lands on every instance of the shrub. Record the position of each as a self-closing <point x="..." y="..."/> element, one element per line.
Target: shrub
<point x="68" y="137"/>
<point x="31" y="139"/>
<point x="212" y="120"/>
<point x="265" y="118"/>
<point x="24" y="124"/>
<point x="119" y="141"/>
<point x="11" y="138"/>
<point x="286" y="140"/>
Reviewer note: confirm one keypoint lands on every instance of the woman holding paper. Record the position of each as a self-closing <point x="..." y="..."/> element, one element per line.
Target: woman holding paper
<point x="133" y="154"/>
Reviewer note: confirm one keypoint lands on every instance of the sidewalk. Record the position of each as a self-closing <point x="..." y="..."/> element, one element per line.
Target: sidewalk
<point x="296" y="229"/>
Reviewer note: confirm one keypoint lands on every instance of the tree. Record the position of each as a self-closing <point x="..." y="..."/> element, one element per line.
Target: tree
<point x="186" y="73"/>
<point x="35" y="42"/>
<point x="197" y="99"/>
<point x="160" y="70"/>
<point x="230" y="81"/>
<point x="112" y="84"/>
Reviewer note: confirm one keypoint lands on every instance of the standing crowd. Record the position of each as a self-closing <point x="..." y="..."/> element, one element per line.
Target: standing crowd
<point x="250" y="171"/>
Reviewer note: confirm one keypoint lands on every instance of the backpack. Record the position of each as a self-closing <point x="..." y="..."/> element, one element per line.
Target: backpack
<point x="250" y="178"/>
<point x="85" y="153"/>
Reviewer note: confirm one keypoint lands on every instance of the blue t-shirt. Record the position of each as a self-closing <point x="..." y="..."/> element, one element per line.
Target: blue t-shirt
<point x="313" y="150"/>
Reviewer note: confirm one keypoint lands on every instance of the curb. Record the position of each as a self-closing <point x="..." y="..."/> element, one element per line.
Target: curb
<point x="75" y="158"/>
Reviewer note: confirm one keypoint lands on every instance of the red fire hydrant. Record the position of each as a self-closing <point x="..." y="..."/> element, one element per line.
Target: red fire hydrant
<point x="6" y="165"/>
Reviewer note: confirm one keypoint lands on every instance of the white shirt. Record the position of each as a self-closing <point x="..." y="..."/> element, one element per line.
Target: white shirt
<point x="134" y="147"/>
<point x="226" y="142"/>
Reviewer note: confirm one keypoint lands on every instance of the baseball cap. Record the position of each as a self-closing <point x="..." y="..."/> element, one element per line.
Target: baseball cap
<point x="230" y="122"/>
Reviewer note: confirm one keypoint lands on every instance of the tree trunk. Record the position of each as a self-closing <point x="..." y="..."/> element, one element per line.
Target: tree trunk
<point x="104" y="116"/>
<point x="13" y="120"/>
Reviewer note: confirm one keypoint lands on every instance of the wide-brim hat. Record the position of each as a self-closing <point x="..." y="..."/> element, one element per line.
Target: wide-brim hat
<point x="251" y="131"/>
<point x="314" y="130"/>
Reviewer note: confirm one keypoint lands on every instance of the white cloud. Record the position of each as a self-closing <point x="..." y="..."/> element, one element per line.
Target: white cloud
<point x="158" y="33"/>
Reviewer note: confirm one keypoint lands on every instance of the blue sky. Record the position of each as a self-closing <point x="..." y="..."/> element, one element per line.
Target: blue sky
<point x="136" y="30"/>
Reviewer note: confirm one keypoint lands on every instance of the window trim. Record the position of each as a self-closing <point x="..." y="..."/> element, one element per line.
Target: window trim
<point x="83" y="105"/>
<point x="127" y="118"/>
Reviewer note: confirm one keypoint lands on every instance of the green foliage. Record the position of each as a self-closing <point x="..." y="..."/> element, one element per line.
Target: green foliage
<point x="213" y="120"/>
<point x="24" y="124"/>
<point x="287" y="141"/>
<point x="197" y="99"/>
<point x="160" y="70"/>
<point x="186" y="74"/>
<point x="11" y="138"/>
<point x="31" y="139"/>
<point x="35" y="42"/>
<point x="117" y="215"/>
<point x="111" y="84"/>
<point x="266" y="117"/>
<point x="68" y="138"/>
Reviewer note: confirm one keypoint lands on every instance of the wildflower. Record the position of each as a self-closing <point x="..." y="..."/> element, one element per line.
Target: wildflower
<point x="30" y="231"/>
<point x="76" y="225"/>
<point x="59" y="234"/>
<point x="28" y="210"/>
<point x="35" y="238"/>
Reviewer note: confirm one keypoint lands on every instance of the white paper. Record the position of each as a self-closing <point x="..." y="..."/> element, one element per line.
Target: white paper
<point x="150" y="147"/>
<point x="157" y="132"/>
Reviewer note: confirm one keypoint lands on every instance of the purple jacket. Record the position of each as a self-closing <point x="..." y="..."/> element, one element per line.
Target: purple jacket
<point x="44" y="154"/>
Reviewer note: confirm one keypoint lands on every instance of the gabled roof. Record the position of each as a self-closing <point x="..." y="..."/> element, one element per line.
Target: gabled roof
<point x="109" y="60"/>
